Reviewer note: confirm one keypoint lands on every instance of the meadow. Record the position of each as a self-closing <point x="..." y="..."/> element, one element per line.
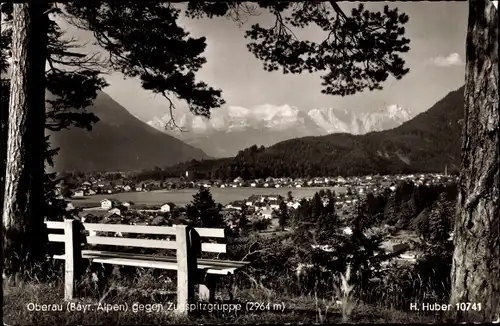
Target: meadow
<point x="185" y="196"/>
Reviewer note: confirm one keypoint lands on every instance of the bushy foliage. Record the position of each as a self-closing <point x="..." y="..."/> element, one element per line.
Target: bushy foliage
<point x="310" y="259"/>
<point x="406" y="207"/>
<point x="261" y="224"/>
<point x="203" y="210"/>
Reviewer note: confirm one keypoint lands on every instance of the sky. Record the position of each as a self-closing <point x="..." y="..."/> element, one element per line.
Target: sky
<point x="437" y="31"/>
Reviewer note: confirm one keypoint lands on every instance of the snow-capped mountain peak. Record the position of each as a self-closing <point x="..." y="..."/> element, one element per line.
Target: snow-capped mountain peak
<point x="280" y="123"/>
<point x="395" y="111"/>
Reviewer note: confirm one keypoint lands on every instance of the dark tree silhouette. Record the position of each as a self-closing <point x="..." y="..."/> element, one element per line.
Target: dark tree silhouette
<point x="203" y="210"/>
<point x="476" y="260"/>
<point x="359" y="51"/>
<point x="23" y="199"/>
<point x="283" y="215"/>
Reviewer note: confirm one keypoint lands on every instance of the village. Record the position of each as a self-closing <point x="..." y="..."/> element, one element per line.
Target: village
<point x="261" y="212"/>
<point x="356" y="184"/>
<point x="256" y="206"/>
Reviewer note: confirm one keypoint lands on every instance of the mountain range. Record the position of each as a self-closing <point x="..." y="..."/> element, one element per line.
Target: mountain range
<point x="232" y="128"/>
<point x="427" y="143"/>
<point x="118" y="142"/>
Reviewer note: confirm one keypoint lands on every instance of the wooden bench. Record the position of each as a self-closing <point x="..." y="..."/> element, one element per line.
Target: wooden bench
<point x="186" y="262"/>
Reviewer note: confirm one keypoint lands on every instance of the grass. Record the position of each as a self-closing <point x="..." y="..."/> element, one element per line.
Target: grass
<point x="118" y="304"/>
<point x="19" y="301"/>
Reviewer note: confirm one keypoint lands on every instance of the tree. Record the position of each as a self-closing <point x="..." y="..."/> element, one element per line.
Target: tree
<point x="283" y="215"/>
<point x="327" y="223"/>
<point x="317" y="208"/>
<point x="42" y="40"/>
<point x="243" y="224"/>
<point x="203" y="210"/>
<point x="23" y="200"/>
<point x="476" y="257"/>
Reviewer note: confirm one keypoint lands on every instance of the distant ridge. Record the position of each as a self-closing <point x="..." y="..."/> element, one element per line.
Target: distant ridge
<point x="118" y="142"/>
<point x="427" y="143"/>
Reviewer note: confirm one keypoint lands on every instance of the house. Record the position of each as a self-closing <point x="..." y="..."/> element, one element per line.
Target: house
<point x="253" y="184"/>
<point x="165" y="208"/>
<point x="90" y="192"/>
<point x="347" y="230"/>
<point x="267" y="213"/>
<point x="90" y="218"/>
<point x="127" y="204"/>
<point x="109" y="203"/>
<point x="273" y="204"/>
<point x="249" y="203"/>
<point x="116" y="211"/>
<point x="401" y="247"/>
<point x="293" y="205"/>
<point x="259" y="204"/>
<point x="231" y="206"/>
<point x="127" y="188"/>
<point x="326" y="248"/>
<point x="79" y="193"/>
<point x="112" y="215"/>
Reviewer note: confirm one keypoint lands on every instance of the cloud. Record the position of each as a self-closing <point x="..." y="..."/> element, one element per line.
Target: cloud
<point x="452" y="59"/>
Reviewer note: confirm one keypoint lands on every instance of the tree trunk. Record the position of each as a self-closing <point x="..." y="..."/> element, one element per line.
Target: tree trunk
<point x="3" y="137"/>
<point x="23" y="209"/>
<point x="476" y="259"/>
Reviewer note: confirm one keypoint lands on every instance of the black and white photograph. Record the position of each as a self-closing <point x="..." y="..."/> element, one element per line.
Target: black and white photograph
<point x="265" y="162"/>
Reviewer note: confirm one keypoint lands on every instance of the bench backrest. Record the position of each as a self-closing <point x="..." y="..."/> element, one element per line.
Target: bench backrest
<point x="123" y="241"/>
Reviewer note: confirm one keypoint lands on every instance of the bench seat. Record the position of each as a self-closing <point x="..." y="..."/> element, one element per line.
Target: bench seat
<point x="211" y="266"/>
<point x="188" y="246"/>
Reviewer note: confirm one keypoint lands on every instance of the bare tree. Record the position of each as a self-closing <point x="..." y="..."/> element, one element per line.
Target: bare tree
<point x="476" y="259"/>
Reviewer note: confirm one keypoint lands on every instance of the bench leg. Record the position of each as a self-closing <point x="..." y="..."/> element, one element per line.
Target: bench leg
<point x="231" y="286"/>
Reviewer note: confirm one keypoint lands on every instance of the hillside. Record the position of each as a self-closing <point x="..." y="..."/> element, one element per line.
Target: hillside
<point x="426" y="143"/>
<point x="118" y="142"/>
